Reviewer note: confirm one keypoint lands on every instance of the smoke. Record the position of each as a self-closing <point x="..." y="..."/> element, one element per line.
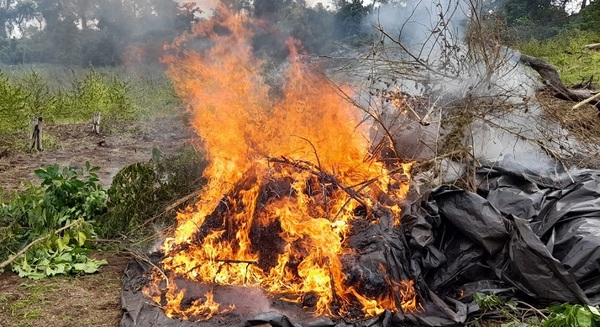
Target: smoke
<point x="415" y="22"/>
<point x="435" y="36"/>
<point x="440" y="51"/>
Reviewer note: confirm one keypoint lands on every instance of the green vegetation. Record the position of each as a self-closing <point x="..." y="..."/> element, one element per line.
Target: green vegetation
<point x="74" y="96"/>
<point x="55" y="219"/>
<point x="141" y="192"/>
<point x="567" y="53"/>
<point x="568" y="315"/>
<point x="70" y="207"/>
<point x="518" y="314"/>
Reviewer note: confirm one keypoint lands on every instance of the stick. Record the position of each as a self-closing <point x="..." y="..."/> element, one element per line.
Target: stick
<point x="96" y="123"/>
<point x="586" y="101"/>
<point x="34" y="242"/>
<point x="145" y="258"/>
<point x="36" y="134"/>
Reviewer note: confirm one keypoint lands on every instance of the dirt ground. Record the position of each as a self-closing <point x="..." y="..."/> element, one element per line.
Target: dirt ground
<point x="73" y="144"/>
<point x="88" y="300"/>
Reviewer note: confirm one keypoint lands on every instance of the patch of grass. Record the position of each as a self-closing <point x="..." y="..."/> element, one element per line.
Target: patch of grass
<point x="566" y="52"/>
<point x="30" y="307"/>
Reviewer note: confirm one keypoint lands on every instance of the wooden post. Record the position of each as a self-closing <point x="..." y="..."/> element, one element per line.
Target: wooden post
<point x="96" y="123"/>
<point x="36" y="135"/>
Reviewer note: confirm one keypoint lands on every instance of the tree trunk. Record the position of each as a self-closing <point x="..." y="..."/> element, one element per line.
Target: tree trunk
<point x="96" y="123"/>
<point x="36" y="134"/>
<point x="552" y="81"/>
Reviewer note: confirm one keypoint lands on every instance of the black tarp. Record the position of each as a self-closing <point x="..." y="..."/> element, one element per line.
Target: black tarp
<point x="531" y="236"/>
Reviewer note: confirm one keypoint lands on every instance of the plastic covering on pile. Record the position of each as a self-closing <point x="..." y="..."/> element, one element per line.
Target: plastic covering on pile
<point x="532" y="237"/>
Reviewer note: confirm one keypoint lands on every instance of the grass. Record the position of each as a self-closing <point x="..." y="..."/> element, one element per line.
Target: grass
<point x="67" y="96"/>
<point x="567" y="53"/>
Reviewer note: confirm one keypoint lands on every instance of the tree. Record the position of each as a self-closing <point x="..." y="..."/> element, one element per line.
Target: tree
<point x="535" y="18"/>
<point x="349" y="18"/>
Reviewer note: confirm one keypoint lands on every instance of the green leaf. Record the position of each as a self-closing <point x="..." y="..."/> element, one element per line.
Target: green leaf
<point x="584" y="317"/>
<point x="594" y="311"/>
<point x="81" y="237"/>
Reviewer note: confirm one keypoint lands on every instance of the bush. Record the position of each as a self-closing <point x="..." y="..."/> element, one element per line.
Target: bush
<point x="67" y="200"/>
<point x="140" y="193"/>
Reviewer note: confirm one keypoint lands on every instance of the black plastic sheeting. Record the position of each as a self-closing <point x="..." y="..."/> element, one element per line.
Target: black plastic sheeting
<point x="534" y="238"/>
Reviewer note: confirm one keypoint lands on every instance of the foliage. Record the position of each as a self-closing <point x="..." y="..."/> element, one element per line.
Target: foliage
<point x="514" y="315"/>
<point x="567" y="53"/>
<point x="535" y="18"/>
<point x="66" y="199"/>
<point x="83" y="33"/>
<point x="587" y="18"/>
<point x="568" y="315"/>
<point x="349" y="18"/>
<point x="13" y="109"/>
<point x="95" y="93"/>
<point x="140" y="192"/>
<point x="77" y="94"/>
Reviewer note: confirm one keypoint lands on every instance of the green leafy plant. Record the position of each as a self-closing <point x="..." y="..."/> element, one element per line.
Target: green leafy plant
<point x="515" y="313"/>
<point x="140" y="193"/>
<point x="573" y="315"/>
<point x="44" y="230"/>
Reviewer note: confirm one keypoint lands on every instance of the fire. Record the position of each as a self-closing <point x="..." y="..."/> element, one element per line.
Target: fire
<point x="287" y="180"/>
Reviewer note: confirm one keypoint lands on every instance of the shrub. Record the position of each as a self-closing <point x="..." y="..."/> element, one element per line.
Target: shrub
<point x="66" y="200"/>
<point x="140" y="193"/>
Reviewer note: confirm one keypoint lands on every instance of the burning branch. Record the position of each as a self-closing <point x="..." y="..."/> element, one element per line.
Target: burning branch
<point x="307" y="166"/>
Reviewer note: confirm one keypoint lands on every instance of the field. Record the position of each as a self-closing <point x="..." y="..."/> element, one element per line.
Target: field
<point x="144" y="137"/>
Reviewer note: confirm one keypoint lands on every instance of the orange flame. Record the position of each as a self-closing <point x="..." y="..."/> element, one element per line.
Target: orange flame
<point x="305" y="150"/>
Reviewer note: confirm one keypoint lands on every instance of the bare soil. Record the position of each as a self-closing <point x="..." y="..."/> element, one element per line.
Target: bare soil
<point x="87" y="300"/>
<point x="72" y="145"/>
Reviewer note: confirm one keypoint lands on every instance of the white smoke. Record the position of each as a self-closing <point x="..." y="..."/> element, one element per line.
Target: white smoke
<point x="427" y="44"/>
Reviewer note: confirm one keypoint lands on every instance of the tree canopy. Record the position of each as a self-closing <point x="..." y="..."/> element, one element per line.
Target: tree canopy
<point x="111" y="32"/>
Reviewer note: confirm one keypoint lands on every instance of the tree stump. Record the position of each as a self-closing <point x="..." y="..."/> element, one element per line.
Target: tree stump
<point x="96" y="123"/>
<point x="36" y="134"/>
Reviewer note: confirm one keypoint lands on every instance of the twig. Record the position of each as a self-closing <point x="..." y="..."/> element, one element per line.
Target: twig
<point x="315" y="171"/>
<point x="323" y="186"/>
<point x="34" y="242"/>
<point x="145" y="258"/>
<point x="250" y="262"/>
<point x="247" y="262"/>
<point x="586" y="101"/>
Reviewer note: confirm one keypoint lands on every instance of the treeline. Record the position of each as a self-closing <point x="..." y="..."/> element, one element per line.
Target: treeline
<point x="113" y="32"/>
<point x="543" y="19"/>
<point x="88" y="32"/>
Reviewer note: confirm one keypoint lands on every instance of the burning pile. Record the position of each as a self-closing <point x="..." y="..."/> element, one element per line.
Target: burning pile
<point x="294" y="201"/>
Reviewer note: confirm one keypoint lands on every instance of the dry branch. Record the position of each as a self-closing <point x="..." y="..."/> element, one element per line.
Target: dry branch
<point x="593" y="46"/>
<point x="588" y="100"/>
<point x="304" y="165"/>
<point x="553" y="81"/>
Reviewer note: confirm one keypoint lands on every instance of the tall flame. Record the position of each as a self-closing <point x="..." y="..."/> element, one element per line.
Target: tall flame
<point x="306" y="145"/>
